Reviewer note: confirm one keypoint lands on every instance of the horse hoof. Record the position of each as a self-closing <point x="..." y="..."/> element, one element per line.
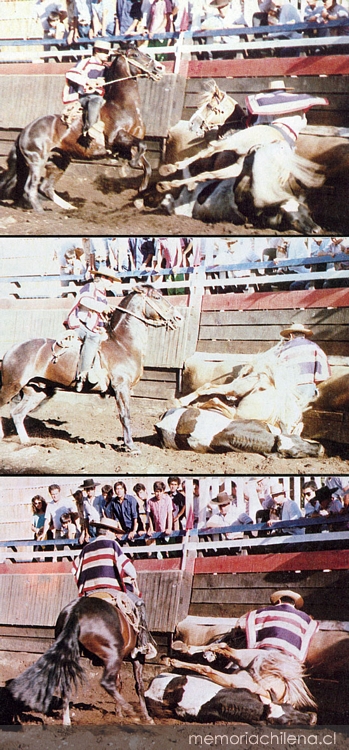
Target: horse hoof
<point x="166" y="169"/>
<point x="161" y="187"/>
<point x="138" y="203"/>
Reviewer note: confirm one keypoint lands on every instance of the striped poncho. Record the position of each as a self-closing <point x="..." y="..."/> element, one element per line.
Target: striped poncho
<point x="280" y="627"/>
<point x="103" y="565"/>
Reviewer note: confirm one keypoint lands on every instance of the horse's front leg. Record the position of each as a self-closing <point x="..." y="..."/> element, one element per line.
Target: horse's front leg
<point x="56" y="165"/>
<point x="135" y="149"/>
<point x="122" y="395"/>
<point x="137" y="665"/>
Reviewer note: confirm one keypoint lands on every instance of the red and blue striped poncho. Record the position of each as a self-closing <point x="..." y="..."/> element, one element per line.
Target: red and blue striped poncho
<point x="280" y="627"/>
<point x="103" y="565"/>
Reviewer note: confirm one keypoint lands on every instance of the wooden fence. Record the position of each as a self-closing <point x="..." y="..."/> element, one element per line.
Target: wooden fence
<point x="33" y="594"/>
<point x="38" y="88"/>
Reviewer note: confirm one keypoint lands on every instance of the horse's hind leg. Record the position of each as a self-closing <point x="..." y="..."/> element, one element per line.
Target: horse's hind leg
<point x="55" y="167"/>
<point x="109" y="682"/>
<point x="30" y="191"/>
<point x="138" y="676"/>
<point x="66" y="713"/>
<point x="25" y="402"/>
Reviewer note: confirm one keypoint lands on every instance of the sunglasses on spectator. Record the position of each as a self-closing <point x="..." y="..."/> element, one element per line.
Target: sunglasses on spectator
<point x="307" y="494"/>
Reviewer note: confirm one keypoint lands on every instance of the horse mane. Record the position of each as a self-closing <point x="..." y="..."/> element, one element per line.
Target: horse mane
<point x="273" y="663"/>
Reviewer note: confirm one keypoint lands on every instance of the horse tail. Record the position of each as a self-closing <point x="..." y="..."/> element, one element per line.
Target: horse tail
<point x="56" y="670"/>
<point x="274" y="664"/>
<point x="8" y="178"/>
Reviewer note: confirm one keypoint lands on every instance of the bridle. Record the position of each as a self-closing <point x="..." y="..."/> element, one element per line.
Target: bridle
<point x="136" y="64"/>
<point x="151" y="301"/>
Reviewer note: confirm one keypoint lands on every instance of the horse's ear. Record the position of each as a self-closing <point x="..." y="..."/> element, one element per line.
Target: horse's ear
<point x="138" y="288"/>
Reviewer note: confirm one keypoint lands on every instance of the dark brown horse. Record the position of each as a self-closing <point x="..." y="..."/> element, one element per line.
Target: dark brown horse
<point x="104" y="631"/>
<point x="49" y="142"/>
<point x="31" y="372"/>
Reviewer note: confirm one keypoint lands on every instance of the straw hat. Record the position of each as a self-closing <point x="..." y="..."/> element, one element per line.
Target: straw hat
<point x="297" y="328"/>
<point x="108" y="523"/>
<point x="105" y="271"/>
<point x="278" y="86"/>
<point x="277" y="489"/>
<point x="102" y="46"/>
<point x="219" y="3"/>
<point x="278" y="596"/>
<point x="222" y="499"/>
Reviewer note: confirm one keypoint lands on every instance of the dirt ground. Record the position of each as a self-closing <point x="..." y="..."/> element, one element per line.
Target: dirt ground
<point x="78" y="434"/>
<point x="91" y="703"/>
<point x="104" y="203"/>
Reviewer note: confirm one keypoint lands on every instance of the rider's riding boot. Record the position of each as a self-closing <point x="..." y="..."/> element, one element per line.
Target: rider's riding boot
<point x="80" y="380"/>
<point x="85" y="139"/>
<point x="144" y="641"/>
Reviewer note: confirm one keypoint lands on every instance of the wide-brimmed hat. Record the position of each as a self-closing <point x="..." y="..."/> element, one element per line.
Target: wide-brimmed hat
<point x="297" y="328"/>
<point x="103" y="46"/>
<point x="278" y="85"/>
<point x="222" y="499"/>
<point x="88" y="484"/>
<point x="286" y="593"/>
<point x="277" y="489"/>
<point x="105" y="271"/>
<point x="219" y="3"/>
<point x="324" y="493"/>
<point x="108" y="523"/>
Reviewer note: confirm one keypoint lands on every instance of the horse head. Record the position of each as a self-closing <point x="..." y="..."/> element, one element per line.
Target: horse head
<point x="147" y="304"/>
<point x="215" y="107"/>
<point x="131" y="62"/>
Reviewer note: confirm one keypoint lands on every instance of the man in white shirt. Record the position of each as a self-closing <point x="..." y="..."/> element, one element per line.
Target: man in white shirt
<point x="54" y="510"/>
<point x="290" y="511"/>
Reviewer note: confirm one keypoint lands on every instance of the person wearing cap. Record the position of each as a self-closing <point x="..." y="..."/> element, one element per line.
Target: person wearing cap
<point x="306" y="362"/>
<point x="102" y="565"/>
<point x="225" y="514"/>
<point x="281" y="626"/>
<point x="290" y="511"/>
<point x="85" y="83"/>
<point x="88" y="512"/>
<point x="88" y="317"/>
<point x="281" y="13"/>
<point x="228" y="15"/>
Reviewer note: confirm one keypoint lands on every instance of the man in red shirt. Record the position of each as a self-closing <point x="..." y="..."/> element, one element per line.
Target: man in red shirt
<point x="87" y="317"/>
<point x="85" y="83"/>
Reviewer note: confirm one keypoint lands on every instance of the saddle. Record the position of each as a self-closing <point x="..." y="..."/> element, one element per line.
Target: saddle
<point x="121" y="601"/>
<point x="69" y="341"/>
<point x="71" y="112"/>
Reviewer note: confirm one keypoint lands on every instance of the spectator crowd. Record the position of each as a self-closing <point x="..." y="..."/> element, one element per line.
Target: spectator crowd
<point x="75" y="19"/>
<point x="167" y="508"/>
<point x="78" y="256"/>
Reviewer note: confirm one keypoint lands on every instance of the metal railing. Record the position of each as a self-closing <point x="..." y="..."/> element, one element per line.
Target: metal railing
<point x="255" y="538"/>
<point x="265" y="39"/>
<point x="193" y="277"/>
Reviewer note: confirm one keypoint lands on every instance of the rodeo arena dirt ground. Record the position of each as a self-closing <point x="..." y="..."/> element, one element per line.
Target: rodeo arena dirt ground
<point x="80" y="434"/>
<point x="105" y="205"/>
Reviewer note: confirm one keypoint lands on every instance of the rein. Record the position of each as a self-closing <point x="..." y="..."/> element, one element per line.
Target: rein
<point x="136" y="64"/>
<point x="147" y="321"/>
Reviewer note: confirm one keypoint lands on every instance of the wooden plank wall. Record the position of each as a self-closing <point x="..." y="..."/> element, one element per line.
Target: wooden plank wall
<point x="37" y="318"/>
<point x="324" y="75"/>
<point x="233" y="323"/>
<point x="234" y="595"/>
<point x="36" y="600"/>
<point x="40" y="93"/>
